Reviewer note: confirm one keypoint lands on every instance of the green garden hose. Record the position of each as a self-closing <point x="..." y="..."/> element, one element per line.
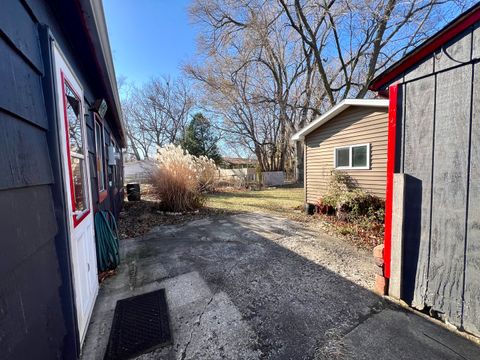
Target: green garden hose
<point x="106" y="235"/>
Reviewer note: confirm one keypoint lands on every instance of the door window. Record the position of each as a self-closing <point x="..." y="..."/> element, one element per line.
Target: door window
<point x="75" y="144"/>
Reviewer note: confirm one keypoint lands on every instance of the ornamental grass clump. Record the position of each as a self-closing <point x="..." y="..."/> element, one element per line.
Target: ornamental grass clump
<point x="180" y="179"/>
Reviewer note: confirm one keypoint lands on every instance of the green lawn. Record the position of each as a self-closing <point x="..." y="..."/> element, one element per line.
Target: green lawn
<point x="284" y="201"/>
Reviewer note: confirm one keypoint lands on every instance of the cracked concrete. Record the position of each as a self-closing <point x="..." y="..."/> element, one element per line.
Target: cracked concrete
<point x="254" y="286"/>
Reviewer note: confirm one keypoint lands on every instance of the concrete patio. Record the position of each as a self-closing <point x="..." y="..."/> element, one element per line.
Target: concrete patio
<point x="254" y="286"/>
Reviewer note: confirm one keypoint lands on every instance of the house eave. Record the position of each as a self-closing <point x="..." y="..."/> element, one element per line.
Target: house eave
<point x="337" y="109"/>
<point x="93" y="18"/>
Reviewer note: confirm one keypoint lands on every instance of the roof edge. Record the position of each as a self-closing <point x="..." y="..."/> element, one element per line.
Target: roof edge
<point x="452" y="29"/>
<point x="94" y="19"/>
<point x="334" y="111"/>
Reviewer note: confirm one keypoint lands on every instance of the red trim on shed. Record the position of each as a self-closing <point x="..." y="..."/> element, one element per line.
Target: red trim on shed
<point x="392" y="132"/>
<point x="446" y="34"/>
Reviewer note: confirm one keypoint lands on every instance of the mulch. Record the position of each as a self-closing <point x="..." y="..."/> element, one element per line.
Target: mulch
<point x="139" y="217"/>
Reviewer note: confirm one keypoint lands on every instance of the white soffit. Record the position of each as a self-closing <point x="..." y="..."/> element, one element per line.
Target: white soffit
<point x="337" y="109"/>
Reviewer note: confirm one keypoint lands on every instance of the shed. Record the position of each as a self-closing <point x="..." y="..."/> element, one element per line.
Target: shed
<point x="432" y="229"/>
<point x="60" y="139"/>
<point x="352" y="138"/>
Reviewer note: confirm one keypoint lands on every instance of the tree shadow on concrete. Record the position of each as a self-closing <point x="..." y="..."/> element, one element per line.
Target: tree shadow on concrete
<point x="297" y="308"/>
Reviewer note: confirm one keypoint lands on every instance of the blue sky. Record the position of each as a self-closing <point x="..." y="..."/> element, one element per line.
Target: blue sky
<point x="149" y="38"/>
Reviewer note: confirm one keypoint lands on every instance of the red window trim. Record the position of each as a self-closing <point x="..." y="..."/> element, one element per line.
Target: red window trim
<point x="392" y="134"/>
<point x="76" y="220"/>
<point x="102" y="194"/>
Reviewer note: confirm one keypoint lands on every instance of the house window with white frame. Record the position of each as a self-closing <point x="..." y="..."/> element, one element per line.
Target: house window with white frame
<point x="352" y="157"/>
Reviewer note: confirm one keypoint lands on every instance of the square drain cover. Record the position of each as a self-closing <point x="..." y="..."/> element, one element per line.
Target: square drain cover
<point x="140" y="324"/>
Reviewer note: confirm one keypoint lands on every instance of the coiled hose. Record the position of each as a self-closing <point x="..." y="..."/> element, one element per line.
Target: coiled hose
<point x="106" y="235"/>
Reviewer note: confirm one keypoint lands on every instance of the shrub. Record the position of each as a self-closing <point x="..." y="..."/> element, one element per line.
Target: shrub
<point x="180" y="179"/>
<point x="358" y="204"/>
<point x="350" y="202"/>
<point x="340" y="183"/>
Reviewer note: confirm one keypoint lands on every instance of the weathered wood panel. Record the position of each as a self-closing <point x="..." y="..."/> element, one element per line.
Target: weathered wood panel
<point x="455" y="52"/>
<point x="21" y="30"/>
<point x="356" y="125"/>
<point x="418" y="152"/>
<point x="452" y="119"/>
<point x="24" y="160"/>
<point x="419" y="70"/>
<point x="476" y="42"/>
<point x="23" y="96"/>
<point x="28" y="229"/>
<point x="30" y="305"/>
<point x="471" y="312"/>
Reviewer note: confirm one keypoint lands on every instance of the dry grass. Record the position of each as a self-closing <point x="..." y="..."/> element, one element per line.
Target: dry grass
<point x="282" y="201"/>
<point x="180" y="179"/>
<point x="289" y="202"/>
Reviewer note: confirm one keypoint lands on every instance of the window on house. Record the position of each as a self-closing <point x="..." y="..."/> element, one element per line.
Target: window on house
<point x="352" y="157"/>
<point x="343" y="157"/>
<point x="99" y="149"/>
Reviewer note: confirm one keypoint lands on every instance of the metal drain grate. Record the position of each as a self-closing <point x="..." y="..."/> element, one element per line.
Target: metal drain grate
<point x="140" y="325"/>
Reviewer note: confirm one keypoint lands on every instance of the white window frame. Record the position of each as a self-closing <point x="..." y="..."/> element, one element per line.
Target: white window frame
<point x="350" y="157"/>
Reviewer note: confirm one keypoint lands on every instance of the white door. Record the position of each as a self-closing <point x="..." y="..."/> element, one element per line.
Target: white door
<point x="78" y="194"/>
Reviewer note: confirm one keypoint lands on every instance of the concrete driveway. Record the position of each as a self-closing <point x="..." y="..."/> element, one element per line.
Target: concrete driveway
<point x="254" y="286"/>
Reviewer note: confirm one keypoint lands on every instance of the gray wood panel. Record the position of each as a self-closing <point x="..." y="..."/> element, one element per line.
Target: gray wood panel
<point x="455" y="52"/>
<point x="31" y="224"/>
<point x="31" y="322"/>
<point x="419" y="70"/>
<point x="24" y="160"/>
<point x="476" y="42"/>
<point x="418" y="151"/>
<point x="452" y="118"/>
<point x="21" y="30"/>
<point x="471" y="311"/>
<point x="24" y="95"/>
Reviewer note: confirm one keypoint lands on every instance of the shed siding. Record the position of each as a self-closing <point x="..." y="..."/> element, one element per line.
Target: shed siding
<point x="37" y="318"/>
<point x="452" y="122"/>
<point x="418" y="155"/>
<point x="472" y="257"/>
<point x="33" y="291"/>
<point x="441" y="160"/>
<point x="356" y="125"/>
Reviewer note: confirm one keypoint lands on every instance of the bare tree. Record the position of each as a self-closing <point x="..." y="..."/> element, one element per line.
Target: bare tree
<point x="269" y="67"/>
<point x="157" y="114"/>
<point x="256" y="61"/>
<point x="352" y="40"/>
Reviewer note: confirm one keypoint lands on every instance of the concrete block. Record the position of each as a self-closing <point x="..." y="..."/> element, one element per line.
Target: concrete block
<point x="378" y="251"/>
<point x="381" y="284"/>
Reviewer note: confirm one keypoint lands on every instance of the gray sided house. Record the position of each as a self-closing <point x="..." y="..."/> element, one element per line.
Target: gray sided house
<point x="352" y="138"/>
<point x="432" y="226"/>
<point x="60" y="138"/>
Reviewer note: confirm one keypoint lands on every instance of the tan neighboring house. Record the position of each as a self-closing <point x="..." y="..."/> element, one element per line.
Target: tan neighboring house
<point x="350" y="137"/>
